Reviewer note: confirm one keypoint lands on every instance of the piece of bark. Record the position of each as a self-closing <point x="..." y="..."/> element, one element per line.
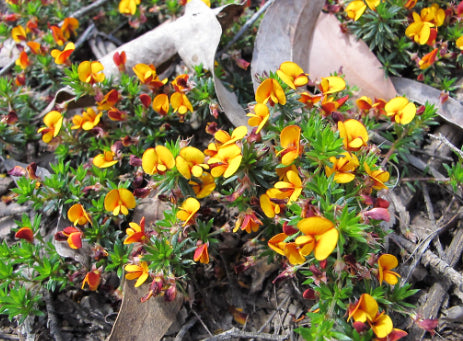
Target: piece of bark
<point x="439" y="291"/>
<point x="143" y="321"/>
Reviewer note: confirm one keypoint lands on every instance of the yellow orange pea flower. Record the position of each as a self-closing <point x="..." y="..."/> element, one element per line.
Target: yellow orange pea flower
<point x="201" y="254"/>
<point x="53" y="122"/>
<point x="136" y="232"/>
<point x="180" y="103"/>
<point x="378" y="176"/>
<point x="364" y="103"/>
<point x="295" y="251"/>
<point x="459" y="43"/>
<point x="119" y="201"/>
<point x="90" y="119"/>
<point x="225" y="138"/>
<point x="260" y="117"/>
<point x="366" y="310"/>
<point x="62" y="57"/>
<point x="157" y="160"/>
<point x="18" y="33"/>
<point x="23" y="60"/>
<point x="105" y="159"/>
<point x="147" y="75"/>
<point x="386" y="262"/>
<point x="35" y="47"/>
<point x="161" y="104"/>
<point x="270" y="91"/>
<point x="139" y="271"/>
<point x="190" y="161"/>
<point x="353" y="133"/>
<point x="188" y="209"/>
<point x="428" y="59"/>
<point x="25" y="233"/>
<point x="355" y="9"/>
<point x="226" y="162"/>
<point x="292" y="75"/>
<point x="78" y="216"/>
<point x="72" y="235"/>
<point x="128" y="6"/>
<point x="247" y="221"/>
<point x="401" y="110"/>
<point x="269" y="208"/>
<point x="203" y="186"/>
<point x="324" y="234"/>
<point x="70" y="25"/>
<point x="292" y="186"/>
<point x="58" y="35"/>
<point x="419" y="30"/>
<point x="290" y="142"/>
<point x="332" y="84"/>
<point x="343" y="168"/>
<point x="92" y="279"/>
<point x="91" y="72"/>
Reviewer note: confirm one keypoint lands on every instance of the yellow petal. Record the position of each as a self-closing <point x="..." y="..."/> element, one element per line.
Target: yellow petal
<point x="326" y="243"/>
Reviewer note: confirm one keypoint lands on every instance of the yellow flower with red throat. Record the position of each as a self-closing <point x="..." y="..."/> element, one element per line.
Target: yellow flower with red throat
<point x="202" y="254"/>
<point x="18" y="34"/>
<point x="90" y="119"/>
<point x="401" y="110"/>
<point x="35" y="47"/>
<point x="343" y="168"/>
<point x="128" y="7"/>
<point x="188" y="210"/>
<point x="62" y="57"/>
<point x="291" y="187"/>
<point x="386" y="262"/>
<point x="136" y="232"/>
<point x="92" y="279"/>
<point x="203" y="186"/>
<point x="161" y="104"/>
<point x="378" y="177"/>
<point x="292" y="75"/>
<point x="109" y="100"/>
<point x="260" y="117"/>
<point x="70" y="26"/>
<point x="147" y="75"/>
<point x="247" y="221"/>
<point x="332" y="84"/>
<point x="295" y="251"/>
<point x="23" y="60"/>
<point x="270" y="208"/>
<point x="290" y="138"/>
<point x="25" y="233"/>
<point x="58" y="35"/>
<point x="78" y="215"/>
<point x="180" y="83"/>
<point x="137" y="271"/>
<point x="366" y="310"/>
<point x="226" y="162"/>
<point x="423" y="28"/>
<point x="364" y="103"/>
<point x="190" y="161"/>
<point x="225" y="139"/>
<point x="53" y="122"/>
<point x="355" y="9"/>
<point x="410" y="4"/>
<point x="270" y="91"/>
<point x="105" y="159"/>
<point x="72" y="235"/>
<point x="459" y="43"/>
<point x="119" y="201"/>
<point x="180" y="103"/>
<point x="91" y="72"/>
<point x="428" y="59"/>
<point x="322" y="233"/>
<point x="157" y="160"/>
<point x="353" y="133"/>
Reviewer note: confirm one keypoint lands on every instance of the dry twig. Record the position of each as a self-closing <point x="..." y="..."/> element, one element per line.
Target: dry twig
<point x="234" y="333"/>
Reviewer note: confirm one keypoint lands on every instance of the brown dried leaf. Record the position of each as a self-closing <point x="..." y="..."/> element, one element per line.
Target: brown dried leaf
<point x="143" y="321"/>
<point x="285" y="33"/>
<point x="332" y="50"/>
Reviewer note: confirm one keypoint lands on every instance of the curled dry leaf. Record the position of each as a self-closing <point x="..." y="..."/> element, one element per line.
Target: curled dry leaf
<point x="285" y="33"/>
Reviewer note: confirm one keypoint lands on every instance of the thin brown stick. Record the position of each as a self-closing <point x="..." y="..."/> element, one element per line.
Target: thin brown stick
<point x="234" y="333"/>
<point x="434" y="262"/>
